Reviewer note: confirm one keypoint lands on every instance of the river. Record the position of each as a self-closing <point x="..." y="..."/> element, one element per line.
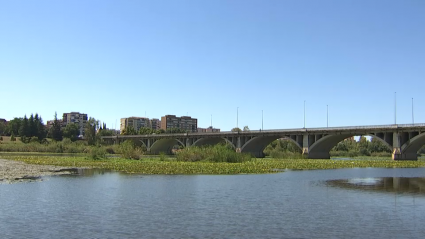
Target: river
<point x="342" y="203"/>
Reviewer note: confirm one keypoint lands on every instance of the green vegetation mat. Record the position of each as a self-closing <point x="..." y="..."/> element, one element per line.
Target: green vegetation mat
<point x="254" y="166"/>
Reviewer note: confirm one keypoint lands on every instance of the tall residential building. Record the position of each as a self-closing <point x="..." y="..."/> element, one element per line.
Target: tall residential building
<point x="208" y="130"/>
<point x="185" y="122"/>
<point x="135" y="122"/>
<point x="155" y="124"/>
<point x="75" y="118"/>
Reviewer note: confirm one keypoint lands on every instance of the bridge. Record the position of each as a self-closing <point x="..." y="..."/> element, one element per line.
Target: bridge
<point x="404" y="140"/>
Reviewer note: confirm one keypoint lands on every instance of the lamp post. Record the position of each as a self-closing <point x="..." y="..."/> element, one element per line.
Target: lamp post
<point x="304" y="114"/>
<point x="211" y="122"/>
<point x="237" y="117"/>
<point x="262" y="122"/>
<point x="413" y="118"/>
<point x="327" y="116"/>
<point x="395" y="107"/>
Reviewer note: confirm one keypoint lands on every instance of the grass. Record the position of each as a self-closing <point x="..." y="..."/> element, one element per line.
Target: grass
<point x="171" y="166"/>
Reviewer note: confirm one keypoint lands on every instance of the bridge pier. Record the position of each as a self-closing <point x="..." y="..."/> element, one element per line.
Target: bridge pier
<point x="305" y="151"/>
<point x="397" y="152"/>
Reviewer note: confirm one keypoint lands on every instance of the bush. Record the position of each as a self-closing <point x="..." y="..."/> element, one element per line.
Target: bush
<point x="128" y="151"/>
<point x="364" y="152"/>
<point x="97" y="153"/>
<point x="278" y="154"/>
<point x="110" y="150"/>
<point x="216" y="153"/>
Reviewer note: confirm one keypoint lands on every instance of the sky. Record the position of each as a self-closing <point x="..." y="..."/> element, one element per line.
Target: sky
<point x="252" y="63"/>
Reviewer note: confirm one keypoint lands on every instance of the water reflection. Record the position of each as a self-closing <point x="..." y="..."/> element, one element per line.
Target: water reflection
<point x="387" y="184"/>
<point x="86" y="172"/>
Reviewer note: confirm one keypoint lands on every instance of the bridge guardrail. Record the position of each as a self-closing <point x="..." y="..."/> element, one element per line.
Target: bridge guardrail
<point x="342" y="128"/>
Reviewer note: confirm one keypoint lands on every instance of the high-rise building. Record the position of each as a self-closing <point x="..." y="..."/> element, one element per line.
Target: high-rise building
<point x="75" y="118"/>
<point x="135" y="122"/>
<point x="185" y="122"/>
<point x="208" y="130"/>
<point x="155" y="124"/>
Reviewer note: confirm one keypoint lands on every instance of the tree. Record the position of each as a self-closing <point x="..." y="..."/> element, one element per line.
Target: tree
<point x="71" y="131"/>
<point x="2" y="128"/>
<point x="55" y="130"/>
<point x="129" y="131"/>
<point x="24" y="129"/>
<point x="145" y="130"/>
<point x="376" y="145"/>
<point x="236" y="129"/>
<point x="90" y="131"/>
<point x="32" y="127"/>
<point x="40" y="128"/>
<point x="13" y="126"/>
<point x="246" y="128"/>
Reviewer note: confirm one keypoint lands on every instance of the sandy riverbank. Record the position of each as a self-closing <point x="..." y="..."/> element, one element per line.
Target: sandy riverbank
<point x="14" y="171"/>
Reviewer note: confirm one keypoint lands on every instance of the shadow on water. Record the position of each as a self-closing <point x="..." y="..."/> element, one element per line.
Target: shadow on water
<point x="386" y="184"/>
<point x="84" y="172"/>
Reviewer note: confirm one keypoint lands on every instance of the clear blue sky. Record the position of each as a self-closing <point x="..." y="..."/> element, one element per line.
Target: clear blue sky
<point x="115" y="59"/>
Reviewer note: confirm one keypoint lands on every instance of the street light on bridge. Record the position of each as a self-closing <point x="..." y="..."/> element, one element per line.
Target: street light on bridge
<point x="413" y="118"/>
<point x="395" y="107"/>
<point x="304" y="114"/>
<point x="237" y="116"/>
<point x="327" y="116"/>
<point x="262" y="120"/>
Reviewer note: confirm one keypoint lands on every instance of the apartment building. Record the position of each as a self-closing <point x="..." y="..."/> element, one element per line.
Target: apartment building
<point x="185" y="122"/>
<point x="75" y="118"/>
<point x="155" y="124"/>
<point x="208" y="130"/>
<point x="135" y="122"/>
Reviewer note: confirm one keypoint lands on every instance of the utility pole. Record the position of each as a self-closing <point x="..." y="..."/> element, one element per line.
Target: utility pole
<point x="304" y="114"/>
<point x="237" y="116"/>
<point x="395" y="107"/>
<point x="262" y="122"/>
<point x="413" y="118"/>
<point x="327" y="116"/>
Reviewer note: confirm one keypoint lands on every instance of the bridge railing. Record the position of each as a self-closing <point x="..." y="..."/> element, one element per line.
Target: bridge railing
<point x="340" y="128"/>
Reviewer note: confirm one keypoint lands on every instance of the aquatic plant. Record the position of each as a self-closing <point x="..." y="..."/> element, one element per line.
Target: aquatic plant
<point x="156" y="166"/>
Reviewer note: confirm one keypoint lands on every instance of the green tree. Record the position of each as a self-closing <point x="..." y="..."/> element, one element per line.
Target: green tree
<point x="90" y="131"/>
<point x="145" y="130"/>
<point x="40" y="128"/>
<point x="129" y="131"/>
<point x="363" y="146"/>
<point x="2" y="128"/>
<point x="376" y="145"/>
<point x="246" y="129"/>
<point x="55" y="130"/>
<point x="24" y="129"/>
<point x="13" y="126"/>
<point x="32" y="127"/>
<point x="236" y="129"/>
<point x="71" y="131"/>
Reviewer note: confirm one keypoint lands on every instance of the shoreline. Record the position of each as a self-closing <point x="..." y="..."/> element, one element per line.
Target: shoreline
<point x="12" y="171"/>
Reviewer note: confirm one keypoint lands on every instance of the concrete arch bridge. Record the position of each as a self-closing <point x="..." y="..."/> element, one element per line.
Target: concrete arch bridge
<point x="404" y="140"/>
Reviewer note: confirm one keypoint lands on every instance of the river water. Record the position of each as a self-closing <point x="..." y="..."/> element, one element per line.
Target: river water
<point x="342" y="203"/>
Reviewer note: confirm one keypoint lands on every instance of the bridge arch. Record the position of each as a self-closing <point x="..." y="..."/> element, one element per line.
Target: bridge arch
<point x="410" y="149"/>
<point x="164" y="145"/>
<point x="321" y="148"/>
<point x="256" y="145"/>
<point x="212" y="141"/>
